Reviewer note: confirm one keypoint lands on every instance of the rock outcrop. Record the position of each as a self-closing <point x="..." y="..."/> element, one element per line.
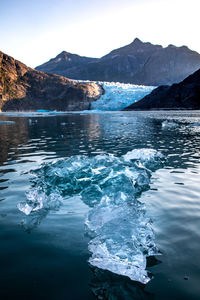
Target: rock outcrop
<point x="184" y="95"/>
<point x="23" y="88"/>
<point x="138" y="63"/>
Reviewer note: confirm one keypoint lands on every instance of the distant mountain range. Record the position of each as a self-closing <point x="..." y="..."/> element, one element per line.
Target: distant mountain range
<point x="138" y="62"/>
<point x="23" y="88"/>
<point x="184" y="95"/>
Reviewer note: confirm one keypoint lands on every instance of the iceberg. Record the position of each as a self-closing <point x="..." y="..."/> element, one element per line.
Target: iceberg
<point x="121" y="233"/>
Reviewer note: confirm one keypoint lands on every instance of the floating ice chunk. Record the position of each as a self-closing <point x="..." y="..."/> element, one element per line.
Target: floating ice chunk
<point x="25" y="208"/>
<point x="123" y="239"/>
<point x="37" y="200"/>
<point x="169" y="124"/>
<point x="41" y="113"/>
<point x="34" y="203"/>
<point x="121" y="234"/>
<point x="118" y="264"/>
<point x="43" y="110"/>
<point x="7" y="122"/>
<point x="141" y="154"/>
<point x="150" y="158"/>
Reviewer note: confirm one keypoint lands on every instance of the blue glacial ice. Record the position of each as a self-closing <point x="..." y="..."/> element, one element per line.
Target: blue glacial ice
<point x="32" y="114"/>
<point x="120" y="95"/>
<point x="121" y="233"/>
<point x="7" y="122"/>
<point x="37" y="200"/>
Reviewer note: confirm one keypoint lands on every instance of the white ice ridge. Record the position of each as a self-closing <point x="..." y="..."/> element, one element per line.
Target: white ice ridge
<point x="121" y="234"/>
<point x="120" y="95"/>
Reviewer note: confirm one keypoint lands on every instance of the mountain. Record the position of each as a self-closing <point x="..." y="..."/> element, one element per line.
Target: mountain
<point x="138" y="62"/>
<point x="184" y="95"/>
<point x="23" y="88"/>
<point x="65" y="63"/>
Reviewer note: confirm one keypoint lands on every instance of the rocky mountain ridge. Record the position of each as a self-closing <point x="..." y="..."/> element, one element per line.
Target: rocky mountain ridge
<point x="138" y="63"/>
<point x="65" y="63"/>
<point x="23" y="88"/>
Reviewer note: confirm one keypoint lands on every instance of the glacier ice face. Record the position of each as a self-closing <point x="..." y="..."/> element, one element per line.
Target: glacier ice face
<point x="121" y="234"/>
<point x="120" y="95"/>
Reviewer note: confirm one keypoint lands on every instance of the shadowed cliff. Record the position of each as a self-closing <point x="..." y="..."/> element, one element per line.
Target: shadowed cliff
<point x="185" y="95"/>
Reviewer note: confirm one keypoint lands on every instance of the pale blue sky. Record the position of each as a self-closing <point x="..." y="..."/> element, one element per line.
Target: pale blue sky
<point x="35" y="31"/>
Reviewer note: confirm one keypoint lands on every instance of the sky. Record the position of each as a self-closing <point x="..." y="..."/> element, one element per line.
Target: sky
<point x="36" y="31"/>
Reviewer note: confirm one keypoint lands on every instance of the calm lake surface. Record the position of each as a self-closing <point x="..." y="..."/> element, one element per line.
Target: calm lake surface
<point x="45" y="255"/>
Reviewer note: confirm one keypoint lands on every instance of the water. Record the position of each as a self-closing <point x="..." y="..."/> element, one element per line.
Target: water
<point x="53" y="251"/>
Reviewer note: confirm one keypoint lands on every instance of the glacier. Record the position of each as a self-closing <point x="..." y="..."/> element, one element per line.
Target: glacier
<point x="116" y="97"/>
<point x="121" y="233"/>
<point x="119" y="95"/>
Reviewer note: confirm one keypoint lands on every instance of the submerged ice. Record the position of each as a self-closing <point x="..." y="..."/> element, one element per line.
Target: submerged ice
<point x="121" y="234"/>
<point x="120" y="95"/>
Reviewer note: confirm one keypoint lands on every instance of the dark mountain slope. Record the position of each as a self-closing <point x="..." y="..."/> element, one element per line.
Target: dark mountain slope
<point x="23" y="88"/>
<point x="138" y="62"/>
<point x="184" y="95"/>
<point x="65" y="63"/>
